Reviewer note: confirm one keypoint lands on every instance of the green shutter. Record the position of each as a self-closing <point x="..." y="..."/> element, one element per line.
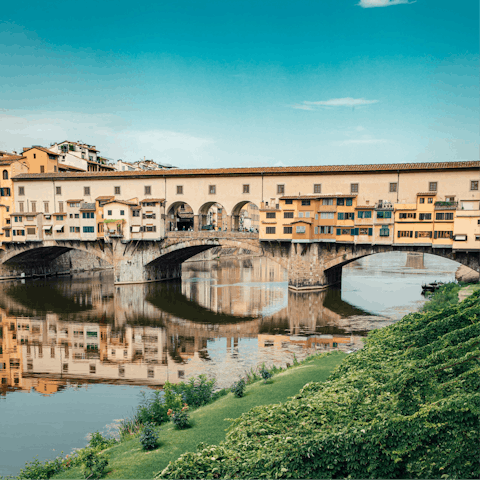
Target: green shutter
<point x="340" y="216"/>
<point x="388" y="214"/>
<point x="370" y="232"/>
<point x="338" y="231"/>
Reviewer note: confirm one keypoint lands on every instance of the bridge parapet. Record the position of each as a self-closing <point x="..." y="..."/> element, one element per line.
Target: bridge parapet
<point x="212" y="234"/>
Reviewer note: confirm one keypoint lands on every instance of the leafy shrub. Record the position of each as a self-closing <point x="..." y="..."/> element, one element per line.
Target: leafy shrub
<point x="94" y="465"/>
<point x="238" y="388"/>
<point x="180" y="417"/>
<point x="37" y="469"/>
<point x="265" y="373"/>
<point x="99" y="442"/>
<point x="148" y="437"/>
<point x="405" y="406"/>
<point x="196" y="392"/>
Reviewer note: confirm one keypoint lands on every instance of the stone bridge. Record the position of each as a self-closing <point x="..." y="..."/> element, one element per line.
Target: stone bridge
<point x="310" y="266"/>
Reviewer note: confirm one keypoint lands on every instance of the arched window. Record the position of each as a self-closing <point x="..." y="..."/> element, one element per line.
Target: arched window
<point x="5" y="175"/>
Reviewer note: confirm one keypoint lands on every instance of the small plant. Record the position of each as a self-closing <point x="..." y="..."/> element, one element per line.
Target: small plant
<point x="238" y="388"/>
<point x="99" y="442"/>
<point x="148" y="437"/>
<point x="179" y="418"/>
<point x="94" y="465"/>
<point x="38" y="469"/>
<point x="266" y="375"/>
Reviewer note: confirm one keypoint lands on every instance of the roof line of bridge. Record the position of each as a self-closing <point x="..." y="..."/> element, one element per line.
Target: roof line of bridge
<point x="254" y="171"/>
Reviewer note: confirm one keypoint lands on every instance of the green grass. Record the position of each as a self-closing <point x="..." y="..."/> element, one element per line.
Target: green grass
<point x="209" y="423"/>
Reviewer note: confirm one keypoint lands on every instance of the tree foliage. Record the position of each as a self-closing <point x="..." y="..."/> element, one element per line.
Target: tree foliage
<point x="405" y="406"/>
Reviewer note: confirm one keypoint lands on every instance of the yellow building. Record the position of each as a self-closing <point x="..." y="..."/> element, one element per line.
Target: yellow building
<point x="41" y="160"/>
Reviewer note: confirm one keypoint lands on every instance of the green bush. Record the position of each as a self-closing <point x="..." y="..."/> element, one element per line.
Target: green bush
<point x="405" y="406"/>
<point x="265" y="373"/>
<point x="37" y="469"/>
<point x="94" y="465"/>
<point x="180" y="417"/>
<point x="99" y="442"/>
<point x="148" y="437"/>
<point x="238" y="388"/>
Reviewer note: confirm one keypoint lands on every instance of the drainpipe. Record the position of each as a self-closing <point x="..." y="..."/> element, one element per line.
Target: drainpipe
<point x="262" y="185"/>
<point x="165" y="209"/>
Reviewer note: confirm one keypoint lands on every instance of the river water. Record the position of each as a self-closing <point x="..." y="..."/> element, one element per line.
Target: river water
<point x="77" y="351"/>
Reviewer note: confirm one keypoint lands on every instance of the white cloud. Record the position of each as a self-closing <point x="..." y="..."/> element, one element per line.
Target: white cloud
<point x="383" y="3"/>
<point x="333" y="103"/>
<point x="110" y="133"/>
<point x="359" y="141"/>
<point x="342" y="102"/>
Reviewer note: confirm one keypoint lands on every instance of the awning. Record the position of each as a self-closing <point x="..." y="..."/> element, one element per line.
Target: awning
<point x="135" y="229"/>
<point x="58" y="228"/>
<point x="48" y="227"/>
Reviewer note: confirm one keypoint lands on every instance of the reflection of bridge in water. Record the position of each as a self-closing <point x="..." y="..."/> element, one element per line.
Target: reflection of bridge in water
<point x="58" y="332"/>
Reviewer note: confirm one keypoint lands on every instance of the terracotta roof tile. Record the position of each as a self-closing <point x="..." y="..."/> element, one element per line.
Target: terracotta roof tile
<point x="431" y="194"/>
<point x="152" y="200"/>
<point x="70" y="167"/>
<point x="315" y="197"/>
<point x="7" y="159"/>
<point x="77" y="200"/>
<point x="105" y="197"/>
<point x="307" y="170"/>
<point x="123" y="202"/>
<point x="43" y="149"/>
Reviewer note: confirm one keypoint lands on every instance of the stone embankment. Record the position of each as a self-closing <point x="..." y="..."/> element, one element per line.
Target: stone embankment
<point x="467" y="275"/>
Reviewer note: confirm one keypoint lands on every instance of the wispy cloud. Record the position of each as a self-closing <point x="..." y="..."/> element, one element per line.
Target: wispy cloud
<point x="383" y="3"/>
<point x="333" y="103"/>
<point x="359" y="141"/>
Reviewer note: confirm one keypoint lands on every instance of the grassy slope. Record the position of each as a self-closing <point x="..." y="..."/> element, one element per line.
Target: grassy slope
<point x="209" y="424"/>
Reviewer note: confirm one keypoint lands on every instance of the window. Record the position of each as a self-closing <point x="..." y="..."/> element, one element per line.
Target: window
<point x="212" y="189"/>
<point x="317" y="188"/>
<point x="341" y="201"/>
<point x="58" y="190"/>
<point x="404" y="234"/>
<point x="21" y="206"/>
<point x="449" y="216"/>
<point x="327" y="215"/>
<point x="5" y="175"/>
<point x="4" y="192"/>
<point x="439" y="216"/>
<point x="271" y="214"/>
<point x="300" y="214"/>
<point x="306" y="203"/>
<point x="384" y="232"/>
<point x="384" y="214"/>
<point x="109" y="213"/>
<point x="21" y="190"/>
<point x="19" y="219"/>
<point x="280" y="189"/>
<point x="288" y="202"/>
<point x="364" y="214"/>
<point x="151" y="228"/>
<point x="425" y="216"/>
<point x="430" y="200"/>
<point x="93" y="369"/>
<point x="354" y="188"/>
<point x="73" y="205"/>
<point x="34" y="207"/>
<point x="122" y="212"/>
<point x="432" y="187"/>
<point x="135" y="213"/>
<point x="327" y="201"/>
<point x="326" y="230"/>
<point x="148" y="190"/>
<point x="45" y="207"/>
<point x="54" y="168"/>
<point x="406" y="215"/>
<point x="348" y="202"/>
<point x="86" y="191"/>
<point x="443" y="235"/>
<point x="88" y="229"/>
<point x="449" y="199"/>
<point x="287" y="214"/>
<point x="74" y="229"/>
<point x="42" y="169"/>
<point x="30" y="231"/>
<point x="179" y="189"/>
<point x="58" y="217"/>
<point x="246" y="189"/>
<point x="365" y="231"/>
<point x="77" y="215"/>
<point x="60" y="206"/>
<point x="116" y="190"/>
<point x="307" y="214"/>
<point x="421" y="200"/>
<point x="474" y="185"/>
<point x="423" y="234"/>
<point x="287" y="230"/>
<point x="88" y="215"/>
<point x="300" y="229"/>
<point x="393" y="188"/>
<point x="270" y="230"/>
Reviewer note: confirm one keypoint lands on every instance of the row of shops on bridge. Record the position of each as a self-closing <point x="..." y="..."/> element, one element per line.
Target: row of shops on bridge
<point x="439" y="222"/>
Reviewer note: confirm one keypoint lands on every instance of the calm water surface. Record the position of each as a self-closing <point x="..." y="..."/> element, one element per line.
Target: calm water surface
<point x="76" y="352"/>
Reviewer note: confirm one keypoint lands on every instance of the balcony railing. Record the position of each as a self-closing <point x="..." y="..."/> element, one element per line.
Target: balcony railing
<point x="446" y="205"/>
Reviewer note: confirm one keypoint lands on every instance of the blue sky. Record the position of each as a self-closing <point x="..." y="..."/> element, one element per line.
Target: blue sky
<point x="244" y="83"/>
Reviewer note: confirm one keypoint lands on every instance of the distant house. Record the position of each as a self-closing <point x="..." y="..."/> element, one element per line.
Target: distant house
<point x="81" y="156"/>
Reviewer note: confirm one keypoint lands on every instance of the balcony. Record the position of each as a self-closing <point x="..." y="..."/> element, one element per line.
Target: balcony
<point x="381" y="205"/>
<point x="446" y="205"/>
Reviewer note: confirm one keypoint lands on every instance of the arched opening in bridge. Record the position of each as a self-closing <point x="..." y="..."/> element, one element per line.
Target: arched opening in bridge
<point x="245" y="217"/>
<point x="180" y="217"/>
<point x="213" y="216"/>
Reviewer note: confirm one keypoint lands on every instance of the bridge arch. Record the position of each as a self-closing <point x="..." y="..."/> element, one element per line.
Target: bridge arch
<point x="245" y="218"/>
<point x="180" y="216"/>
<point x="213" y="216"/>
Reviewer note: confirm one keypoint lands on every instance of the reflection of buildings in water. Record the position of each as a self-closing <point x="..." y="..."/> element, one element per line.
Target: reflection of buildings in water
<point x="415" y="260"/>
<point x="229" y="293"/>
<point x="124" y="339"/>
